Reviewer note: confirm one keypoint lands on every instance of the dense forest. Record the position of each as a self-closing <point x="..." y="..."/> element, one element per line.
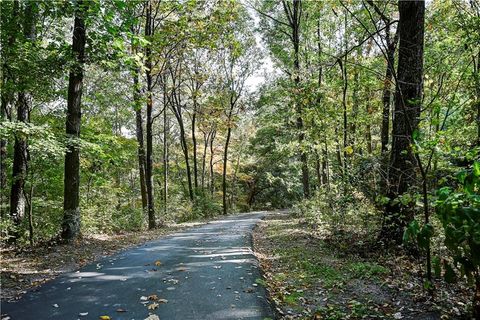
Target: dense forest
<point x="362" y="117"/>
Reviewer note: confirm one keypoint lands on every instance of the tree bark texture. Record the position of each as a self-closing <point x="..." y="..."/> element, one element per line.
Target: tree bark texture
<point x="71" y="202"/>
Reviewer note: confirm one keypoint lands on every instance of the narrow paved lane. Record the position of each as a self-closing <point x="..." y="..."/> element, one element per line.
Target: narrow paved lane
<point x="207" y="272"/>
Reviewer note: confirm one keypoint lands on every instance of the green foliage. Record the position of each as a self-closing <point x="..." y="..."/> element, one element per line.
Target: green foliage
<point x="419" y="234"/>
<point x="459" y="211"/>
<point x="336" y="210"/>
<point x="205" y="206"/>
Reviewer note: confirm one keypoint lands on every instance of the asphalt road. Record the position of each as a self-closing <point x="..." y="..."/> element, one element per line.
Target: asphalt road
<point x="207" y="272"/>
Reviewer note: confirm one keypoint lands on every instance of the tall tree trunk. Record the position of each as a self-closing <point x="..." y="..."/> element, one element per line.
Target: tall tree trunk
<point x="355" y="105"/>
<point x="206" y="138"/>
<point x="30" y="214"/>
<point x="338" y="150"/>
<point x="194" y="143"/>
<point x="225" y="159"/>
<point x="177" y="111"/>
<point x="139" y="135"/>
<point x="19" y="172"/>
<point x="343" y="67"/>
<point x="324" y="161"/>
<point x="149" y="138"/>
<point x="212" y="178"/>
<point x="387" y="83"/>
<point x="294" y="17"/>
<point x="183" y="141"/>
<point x="391" y="46"/>
<point x="165" y="149"/>
<point x="408" y="98"/>
<point x="234" y="179"/>
<point x="20" y="158"/>
<point x="301" y="136"/>
<point x="176" y="107"/>
<point x="6" y="96"/>
<point x="71" y="196"/>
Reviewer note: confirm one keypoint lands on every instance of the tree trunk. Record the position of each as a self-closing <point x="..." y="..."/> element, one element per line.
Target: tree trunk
<point x="206" y="138"/>
<point x="194" y="143"/>
<point x="30" y="215"/>
<point x="139" y="135"/>
<point x="294" y="18"/>
<point x="408" y="98"/>
<point x="183" y="141"/>
<point x="343" y="68"/>
<point x="301" y="136"/>
<point x="390" y="57"/>
<point x="324" y="162"/>
<point x="212" y="178"/>
<point x="19" y="172"/>
<point x="338" y="152"/>
<point x="6" y="99"/>
<point x="20" y="158"/>
<point x="71" y="202"/>
<point x="165" y="150"/>
<point x="224" y="171"/>
<point x="149" y="138"/>
<point x="353" y="120"/>
<point x="391" y="46"/>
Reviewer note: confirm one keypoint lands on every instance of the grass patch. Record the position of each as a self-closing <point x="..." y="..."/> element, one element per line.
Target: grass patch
<point x="292" y="298"/>
<point x="366" y="270"/>
<point x="328" y="275"/>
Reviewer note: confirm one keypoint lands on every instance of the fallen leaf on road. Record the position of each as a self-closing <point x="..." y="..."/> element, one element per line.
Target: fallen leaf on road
<point x="153" y="297"/>
<point x="162" y="300"/>
<point x="158" y="263"/>
<point x="143" y="298"/>
<point x="153" y="306"/>
<point x="55" y="305"/>
<point x="152" y="317"/>
<point x="82" y="314"/>
<point x="105" y="318"/>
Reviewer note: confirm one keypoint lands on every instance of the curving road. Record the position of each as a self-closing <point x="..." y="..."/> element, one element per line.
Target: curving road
<point x="207" y="272"/>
